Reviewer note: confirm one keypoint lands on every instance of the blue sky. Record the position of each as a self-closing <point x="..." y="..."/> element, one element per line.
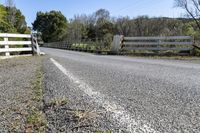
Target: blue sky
<point x="69" y="8"/>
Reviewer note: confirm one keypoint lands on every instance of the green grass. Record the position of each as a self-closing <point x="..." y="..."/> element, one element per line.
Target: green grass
<point x="36" y="119"/>
<point x="193" y="58"/>
<point x="38" y="86"/>
<point x="84" y="46"/>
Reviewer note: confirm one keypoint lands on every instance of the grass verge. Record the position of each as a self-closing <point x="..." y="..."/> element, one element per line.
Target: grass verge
<point x="192" y="58"/>
<point x="36" y="119"/>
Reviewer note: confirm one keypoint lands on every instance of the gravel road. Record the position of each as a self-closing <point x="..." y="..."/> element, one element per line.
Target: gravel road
<point x="132" y="94"/>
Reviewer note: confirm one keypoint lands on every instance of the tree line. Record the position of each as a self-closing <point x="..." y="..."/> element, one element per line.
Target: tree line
<point x="100" y="26"/>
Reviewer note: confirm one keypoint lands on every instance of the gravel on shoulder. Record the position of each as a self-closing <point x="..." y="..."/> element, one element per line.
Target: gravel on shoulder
<point x="17" y="76"/>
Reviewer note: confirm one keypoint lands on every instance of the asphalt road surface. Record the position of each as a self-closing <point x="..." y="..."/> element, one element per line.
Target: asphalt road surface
<point x="141" y="95"/>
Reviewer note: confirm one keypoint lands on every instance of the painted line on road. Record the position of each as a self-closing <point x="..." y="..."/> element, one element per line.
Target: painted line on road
<point x="117" y="112"/>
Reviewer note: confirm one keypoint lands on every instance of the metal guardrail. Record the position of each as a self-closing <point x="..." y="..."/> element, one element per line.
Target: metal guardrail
<point x="163" y="43"/>
<point x="10" y="46"/>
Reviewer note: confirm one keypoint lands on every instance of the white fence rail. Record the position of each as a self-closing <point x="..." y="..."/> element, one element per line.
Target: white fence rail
<point x="164" y="43"/>
<point x="7" y="46"/>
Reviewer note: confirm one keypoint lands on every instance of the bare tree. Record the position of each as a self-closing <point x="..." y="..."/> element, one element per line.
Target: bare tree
<point x="192" y="7"/>
<point x="125" y="26"/>
<point x="10" y="4"/>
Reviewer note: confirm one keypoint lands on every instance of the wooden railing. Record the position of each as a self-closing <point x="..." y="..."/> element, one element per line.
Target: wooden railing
<point x="165" y="43"/>
<point x="8" y="46"/>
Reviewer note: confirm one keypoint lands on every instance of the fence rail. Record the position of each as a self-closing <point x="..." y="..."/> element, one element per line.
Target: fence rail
<point x="7" y="46"/>
<point x="164" y="43"/>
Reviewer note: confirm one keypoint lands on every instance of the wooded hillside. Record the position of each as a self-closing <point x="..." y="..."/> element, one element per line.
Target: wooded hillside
<point x="100" y="26"/>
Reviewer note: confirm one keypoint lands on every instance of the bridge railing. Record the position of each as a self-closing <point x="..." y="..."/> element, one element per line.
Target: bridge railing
<point x="163" y="43"/>
<point x="61" y="45"/>
<point x="88" y="46"/>
<point x="121" y="44"/>
<point x="8" y="46"/>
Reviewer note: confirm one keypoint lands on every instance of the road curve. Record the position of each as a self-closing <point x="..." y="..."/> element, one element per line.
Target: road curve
<point x="143" y="95"/>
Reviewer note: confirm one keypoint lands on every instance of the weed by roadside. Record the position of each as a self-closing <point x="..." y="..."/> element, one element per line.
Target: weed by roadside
<point x="59" y="101"/>
<point x="36" y="119"/>
<point x="192" y="58"/>
<point x="67" y="119"/>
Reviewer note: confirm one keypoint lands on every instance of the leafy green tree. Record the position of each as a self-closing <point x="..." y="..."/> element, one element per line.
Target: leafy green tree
<point x="103" y="28"/>
<point x="2" y="12"/>
<point x="53" y="25"/>
<point x="20" y="23"/>
<point x="17" y="26"/>
<point x="6" y="27"/>
<point x="91" y="32"/>
<point x="103" y="23"/>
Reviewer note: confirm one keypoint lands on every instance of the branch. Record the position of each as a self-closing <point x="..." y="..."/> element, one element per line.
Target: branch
<point x="196" y="5"/>
<point x="191" y="14"/>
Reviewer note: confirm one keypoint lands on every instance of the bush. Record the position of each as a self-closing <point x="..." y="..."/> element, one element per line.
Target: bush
<point x="196" y="52"/>
<point x="6" y="27"/>
<point x="107" y="40"/>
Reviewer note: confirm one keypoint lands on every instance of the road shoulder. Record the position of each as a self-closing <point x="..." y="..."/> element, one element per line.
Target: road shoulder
<point x="21" y="97"/>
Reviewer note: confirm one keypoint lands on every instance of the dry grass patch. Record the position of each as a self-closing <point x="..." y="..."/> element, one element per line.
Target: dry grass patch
<point x="59" y="101"/>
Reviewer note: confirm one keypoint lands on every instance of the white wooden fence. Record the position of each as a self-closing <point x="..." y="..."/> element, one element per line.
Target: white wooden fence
<point x="164" y="43"/>
<point x="8" y="46"/>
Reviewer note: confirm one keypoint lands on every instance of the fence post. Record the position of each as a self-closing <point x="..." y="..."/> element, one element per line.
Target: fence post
<point x="7" y="46"/>
<point x="116" y="44"/>
<point x="35" y="46"/>
<point x="193" y="40"/>
<point x="159" y="43"/>
<point x="38" y="48"/>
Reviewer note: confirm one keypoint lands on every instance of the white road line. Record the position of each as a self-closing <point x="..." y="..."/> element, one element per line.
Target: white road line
<point x="118" y="113"/>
